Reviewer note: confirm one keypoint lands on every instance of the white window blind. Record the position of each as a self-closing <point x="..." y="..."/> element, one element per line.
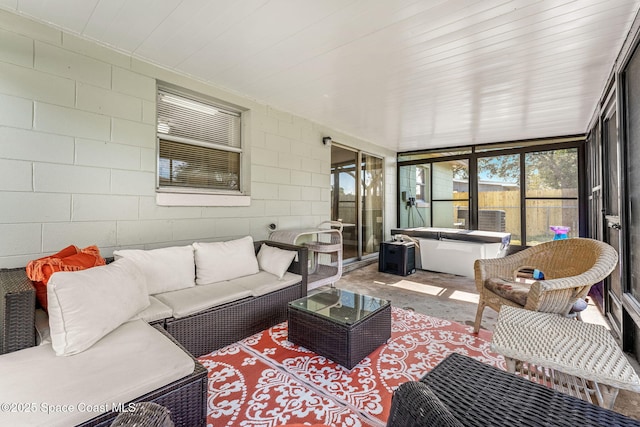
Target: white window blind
<point x="199" y="145"/>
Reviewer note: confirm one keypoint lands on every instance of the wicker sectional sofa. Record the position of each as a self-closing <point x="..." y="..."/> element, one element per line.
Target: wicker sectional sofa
<point x="261" y="304"/>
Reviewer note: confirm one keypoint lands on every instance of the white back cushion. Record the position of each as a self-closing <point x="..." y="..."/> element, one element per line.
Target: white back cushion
<point x="166" y="269"/>
<point x="219" y="261"/>
<point x="86" y="305"/>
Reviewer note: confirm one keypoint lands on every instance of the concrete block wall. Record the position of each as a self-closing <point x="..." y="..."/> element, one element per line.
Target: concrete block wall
<point x="78" y="154"/>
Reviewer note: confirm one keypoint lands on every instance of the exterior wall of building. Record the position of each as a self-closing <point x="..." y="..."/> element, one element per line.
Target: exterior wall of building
<point x="78" y="154"/>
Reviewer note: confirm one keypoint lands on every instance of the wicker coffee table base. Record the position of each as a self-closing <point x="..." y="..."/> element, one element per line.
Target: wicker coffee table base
<point x="344" y="344"/>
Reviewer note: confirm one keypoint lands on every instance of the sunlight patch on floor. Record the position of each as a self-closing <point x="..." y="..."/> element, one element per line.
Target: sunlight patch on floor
<point x="465" y="296"/>
<point x="436" y="291"/>
<point x="418" y="287"/>
<point x="592" y="315"/>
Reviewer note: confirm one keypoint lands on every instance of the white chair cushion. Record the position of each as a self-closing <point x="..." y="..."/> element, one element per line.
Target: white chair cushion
<point x="131" y="361"/>
<point x="275" y="260"/>
<point x="86" y="305"/>
<point x="263" y="282"/>
<point x="156" y="311"/>
<point x="193" y="300"/>
<point x="220" y="261"/>
<point x="166" y="269"/>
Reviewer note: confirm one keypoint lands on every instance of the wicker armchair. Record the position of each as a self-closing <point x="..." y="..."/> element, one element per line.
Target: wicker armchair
<point x="570" y="267"/>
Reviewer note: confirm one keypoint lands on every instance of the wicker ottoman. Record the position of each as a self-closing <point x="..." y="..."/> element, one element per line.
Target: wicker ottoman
<point x="340" y="325"/>
<point x="462" y="391"/>
<point x="578" y="358"/>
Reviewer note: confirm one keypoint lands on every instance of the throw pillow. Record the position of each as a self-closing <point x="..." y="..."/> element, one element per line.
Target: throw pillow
<point x="165" y="269"/>
<point x="275" y="260"/>
<point x="219" y="261"/>
<point x="86" y="305"/>
<point x="70" y="258"/>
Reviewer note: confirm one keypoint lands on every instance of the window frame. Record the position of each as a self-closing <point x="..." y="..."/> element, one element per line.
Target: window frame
<point x="195" y="196"/>
<point x="473" y="152"/>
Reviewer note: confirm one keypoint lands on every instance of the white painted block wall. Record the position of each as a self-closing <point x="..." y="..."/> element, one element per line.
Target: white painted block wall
<point x="78" y="157"/>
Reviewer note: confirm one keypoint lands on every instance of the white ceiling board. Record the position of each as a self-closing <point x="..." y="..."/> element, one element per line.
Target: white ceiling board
<point x="72" y="14"/>
<point x="125" y="24"/>
<point x="404" y="74"/>
<point x="9" y="4"/>
<point x="192" y="26"/>
<point x="354" y="20"/>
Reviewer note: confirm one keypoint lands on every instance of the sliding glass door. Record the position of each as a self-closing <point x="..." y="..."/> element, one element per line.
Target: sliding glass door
<point x="344" y="197"/>
<point x="357" y="200"/>
<point x="372" y="203"/>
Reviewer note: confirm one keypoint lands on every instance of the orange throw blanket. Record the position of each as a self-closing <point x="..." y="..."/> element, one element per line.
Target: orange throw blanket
<point x="70" y="258"/>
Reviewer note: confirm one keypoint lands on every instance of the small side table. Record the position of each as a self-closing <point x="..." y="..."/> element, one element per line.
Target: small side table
<point x="573" y="357"/>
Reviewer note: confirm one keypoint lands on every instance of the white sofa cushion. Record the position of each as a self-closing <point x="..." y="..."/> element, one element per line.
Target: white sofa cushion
<point x="166" y="269"/>
<point x="193" y="300"/>
<point x="131" y="361"/>
<point x="220" y="261"/>
<point x="275" y="260"/>
<point x="263" y="282"/>
<point x="156" y="311"/>
<point x="86" y="305"/>
<point x="43" y="331"/>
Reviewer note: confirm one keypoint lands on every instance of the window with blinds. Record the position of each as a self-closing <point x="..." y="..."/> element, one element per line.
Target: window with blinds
<point x="199" y="145"/>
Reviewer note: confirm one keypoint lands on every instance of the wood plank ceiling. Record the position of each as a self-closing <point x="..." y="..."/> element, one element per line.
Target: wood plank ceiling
<point x="404" y="74"/>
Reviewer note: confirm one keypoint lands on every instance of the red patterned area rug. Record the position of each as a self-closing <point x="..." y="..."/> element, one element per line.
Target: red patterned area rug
<point x="266" y="381"/>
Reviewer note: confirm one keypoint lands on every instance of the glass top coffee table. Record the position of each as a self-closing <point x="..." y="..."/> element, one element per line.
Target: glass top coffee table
<point x="341" y="325"/>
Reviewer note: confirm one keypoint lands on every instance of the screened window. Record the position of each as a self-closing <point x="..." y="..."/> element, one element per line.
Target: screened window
<point x="530" y="189"/>
<point x="199" y="148"/>
<point x="552" y="195"/>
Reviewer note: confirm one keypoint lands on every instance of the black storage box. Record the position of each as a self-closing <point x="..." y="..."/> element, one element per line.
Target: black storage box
<point x="397" y="258"/>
